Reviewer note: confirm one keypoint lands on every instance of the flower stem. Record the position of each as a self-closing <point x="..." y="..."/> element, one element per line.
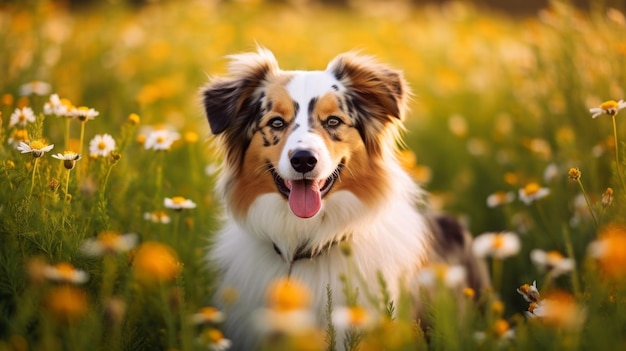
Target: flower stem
<point x="593" y="215"/>
<point x="82" y="136"/>
<point x="67" y="134"/>
<point x="619" y="169"/>
<point x="496" y="274"/>
<point x="32" y="185"/>
<point x="570" y="253"/>
<point x="67" y="186"/>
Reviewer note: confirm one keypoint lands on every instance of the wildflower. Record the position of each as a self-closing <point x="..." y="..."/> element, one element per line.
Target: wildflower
<point x="17" y="136"/>
<point x="558" y="309"/>
<point x="157" y="217"/>
<point x="531" y="192"/>
<point x="607" y="197"/>
<point x="498" y="245"/>
<point x="6" y="99"/>
<point x="69" y="159"/>
<point x="57" y="106"/>
<point x="191" y="137"/>
<point x="408" y="161"/>
<point x="65" y="273"/>
<point x="529" y="292"/>
<point x="134" y="119"/>
<point x="36" y="87"/>
<point x="214" y="339"/>
<point x="22" y="116"/>
<point x="109" y="242"/>
<point x="207" y="315"/>
<point x="155" y="263"/>
<point x="551" y="261"/>
<point x="352" y="317"/>
<point x="101" y="145"/>
<point x="288" y="308"/>
<point x="574" y="173"/>
<point x="161" y="139"/>
<point x="610" y="107"/>
<point x="610" y="251"/>
<point x="500" y="329"/>
<point x="67" y="303"/>
<point x="36" y="148"/>
<point x="469" y="292"/>
<point x="500" y="198"/>
<point x="84" y="113"/>
<point x="452" y="276"/>
<point x="178" y="203"/>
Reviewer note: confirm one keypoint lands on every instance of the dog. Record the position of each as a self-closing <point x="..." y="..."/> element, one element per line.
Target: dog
<point x="310" y="166"/>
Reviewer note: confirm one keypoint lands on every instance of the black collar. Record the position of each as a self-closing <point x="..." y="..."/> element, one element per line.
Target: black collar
<point x="302" y="252"/>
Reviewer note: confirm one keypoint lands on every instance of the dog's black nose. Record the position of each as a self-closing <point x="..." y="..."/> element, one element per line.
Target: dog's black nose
<point x="303" y="161"/>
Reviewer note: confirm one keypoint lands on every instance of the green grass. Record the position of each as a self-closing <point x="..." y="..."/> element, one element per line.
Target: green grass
<point x="498" y="100"/>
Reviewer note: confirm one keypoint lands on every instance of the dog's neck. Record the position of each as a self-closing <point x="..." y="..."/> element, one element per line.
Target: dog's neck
<point x="305" y="252"/>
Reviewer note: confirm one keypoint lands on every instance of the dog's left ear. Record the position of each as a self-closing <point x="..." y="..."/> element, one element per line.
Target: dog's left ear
<point x="374" y="86"/>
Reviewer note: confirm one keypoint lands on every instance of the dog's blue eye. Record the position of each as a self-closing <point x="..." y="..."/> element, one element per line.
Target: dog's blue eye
<point x="333" y="122"/>
<point x="277" y="123"/>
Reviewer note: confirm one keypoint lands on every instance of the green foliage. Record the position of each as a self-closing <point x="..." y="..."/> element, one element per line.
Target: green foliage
<point x="499" y="103"/>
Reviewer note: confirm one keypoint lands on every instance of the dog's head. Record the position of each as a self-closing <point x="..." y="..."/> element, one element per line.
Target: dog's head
<point x="305" y="134"/>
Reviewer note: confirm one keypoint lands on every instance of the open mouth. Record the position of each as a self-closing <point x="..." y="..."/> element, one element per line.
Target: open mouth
<point x="305" y="195"/>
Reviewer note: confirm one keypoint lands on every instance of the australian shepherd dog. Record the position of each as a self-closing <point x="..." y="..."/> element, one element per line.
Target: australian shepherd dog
<point x="311" y="167"/>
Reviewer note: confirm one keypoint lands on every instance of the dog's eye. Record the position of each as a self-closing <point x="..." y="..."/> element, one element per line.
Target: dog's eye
<point x="277" y="123"/>
<point x="333" y="122"/>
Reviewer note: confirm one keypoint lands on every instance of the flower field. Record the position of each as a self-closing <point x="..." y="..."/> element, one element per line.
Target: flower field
<point x="107" y="170"/>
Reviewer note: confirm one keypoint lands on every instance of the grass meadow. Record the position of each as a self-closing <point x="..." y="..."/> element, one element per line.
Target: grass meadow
<point x="107" y="170"/>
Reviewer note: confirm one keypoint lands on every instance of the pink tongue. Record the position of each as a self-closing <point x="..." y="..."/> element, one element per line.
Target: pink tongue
<point x="305" y="199"/>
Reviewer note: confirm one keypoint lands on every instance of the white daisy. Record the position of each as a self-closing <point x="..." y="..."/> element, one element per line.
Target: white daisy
<point x="22" y="116"/>
<point x="452" y="276"/>
<point x="214" y="340"/>
<point x="498" y="245"/>
<point x="610" y="108"/>
<point x="208" y="315"/>
<point x="531" y="192"/>
<point x="178" y="203"/>
<point x="530" y="293"/>
<point x="57" y="106"/>
<point x="552" y="262"/>
<point x="65" y="273"/>
<point x="101" y="145"/>
<point x="500" y="198"/>
<point x="36" y="87"/>
<point x="353" y="317"/>
<point x="109" y="242"/>
<point x="83" y="113"/>
<point x="36" y="148"/>
<point x="157" y="217"/>
<point x="161" y="139"/>
<point x="69" y="159"/>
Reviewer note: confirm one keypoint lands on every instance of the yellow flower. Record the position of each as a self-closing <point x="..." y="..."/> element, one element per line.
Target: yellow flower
<point x="610" y="107"/>
<point x="134" y="119"/>
<point x="558" y="309"/>
<point x="288" y="294"/>
<point x="155" y="263"/>
<point x="610" y="251"/>
<point x="574" y="173"/>
<point x="67" y="303"/>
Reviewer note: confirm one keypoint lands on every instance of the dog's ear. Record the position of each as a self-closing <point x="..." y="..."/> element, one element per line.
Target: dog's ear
<point x="225" y="98"/>
<point x="376" y="94"/>
<point x="376" y="86"/>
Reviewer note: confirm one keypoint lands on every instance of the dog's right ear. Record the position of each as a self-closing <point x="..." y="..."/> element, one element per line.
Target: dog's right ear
<point x="224" y="98"/>
<point x="220" y="102"/>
